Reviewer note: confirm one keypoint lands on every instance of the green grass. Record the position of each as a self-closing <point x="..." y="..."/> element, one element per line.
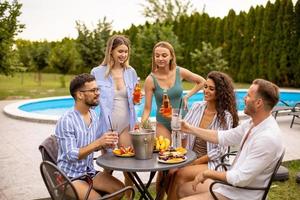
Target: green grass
<point x="16" y="88"/>
<point x="289" y="189"/>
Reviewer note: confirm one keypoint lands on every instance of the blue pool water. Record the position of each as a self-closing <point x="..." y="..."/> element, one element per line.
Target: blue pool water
<point x="59" y="106"/>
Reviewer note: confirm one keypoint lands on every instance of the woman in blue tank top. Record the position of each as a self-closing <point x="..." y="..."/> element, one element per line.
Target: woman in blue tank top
<point x="166" y="77"/>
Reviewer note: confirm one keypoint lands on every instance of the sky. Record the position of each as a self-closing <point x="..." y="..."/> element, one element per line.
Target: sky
<point x="55" y="19"/>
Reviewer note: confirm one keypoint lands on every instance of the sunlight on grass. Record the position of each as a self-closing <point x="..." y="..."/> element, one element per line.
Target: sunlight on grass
<point x="22" y="86"/>
<point x="288" y="189"/>
<point x="25" y="86"/>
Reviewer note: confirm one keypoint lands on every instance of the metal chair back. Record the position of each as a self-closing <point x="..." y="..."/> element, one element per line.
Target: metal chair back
<point x="265" y="189"/>
<point x="273" y="175"/>
<point x="58" y="184"/>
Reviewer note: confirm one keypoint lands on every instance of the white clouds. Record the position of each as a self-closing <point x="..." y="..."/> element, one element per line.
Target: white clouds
<point x="55" y="19"/>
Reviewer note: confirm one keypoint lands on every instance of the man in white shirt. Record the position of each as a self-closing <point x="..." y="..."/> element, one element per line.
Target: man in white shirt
<point x="260" y="149"/>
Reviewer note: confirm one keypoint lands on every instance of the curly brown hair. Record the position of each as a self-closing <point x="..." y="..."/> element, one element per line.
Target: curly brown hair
<point x="225" y="96"/>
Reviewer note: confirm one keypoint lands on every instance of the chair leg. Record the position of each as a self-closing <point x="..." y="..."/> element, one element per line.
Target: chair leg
<point x="292" y="121"/>
<point x="276" y="114"/>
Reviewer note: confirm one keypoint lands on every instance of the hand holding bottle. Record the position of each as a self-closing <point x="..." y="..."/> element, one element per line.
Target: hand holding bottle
<point x="137" y="93"/>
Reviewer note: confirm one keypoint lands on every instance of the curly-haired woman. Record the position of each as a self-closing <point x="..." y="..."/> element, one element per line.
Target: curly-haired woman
<point x="217" y="112"/>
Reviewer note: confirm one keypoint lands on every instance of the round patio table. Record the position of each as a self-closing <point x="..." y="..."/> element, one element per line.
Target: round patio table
<point x="132" y="166"/>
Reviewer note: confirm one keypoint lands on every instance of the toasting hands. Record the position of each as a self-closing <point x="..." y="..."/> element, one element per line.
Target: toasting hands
<point x="185" y="127"/>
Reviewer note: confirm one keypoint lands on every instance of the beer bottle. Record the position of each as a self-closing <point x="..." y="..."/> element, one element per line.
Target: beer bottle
<point x="167" y="108"/>
<point x="137" y="93"/>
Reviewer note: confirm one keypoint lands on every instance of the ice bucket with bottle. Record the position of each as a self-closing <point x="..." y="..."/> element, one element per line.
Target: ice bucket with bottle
<point x="143" y="142"/>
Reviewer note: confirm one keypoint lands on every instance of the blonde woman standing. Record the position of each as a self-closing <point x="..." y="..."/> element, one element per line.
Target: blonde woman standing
<point x="116" y="80"/>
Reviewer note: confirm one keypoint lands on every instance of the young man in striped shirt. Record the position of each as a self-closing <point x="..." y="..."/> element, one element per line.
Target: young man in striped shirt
<point x="79" y="134"/>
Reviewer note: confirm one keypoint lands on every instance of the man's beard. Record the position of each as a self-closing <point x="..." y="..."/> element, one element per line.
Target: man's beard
<point x="249" y="109"/>
<point x="91" y="103"/>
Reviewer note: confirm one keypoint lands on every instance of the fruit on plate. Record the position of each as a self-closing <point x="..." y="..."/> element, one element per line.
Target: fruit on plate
<point x="124" y="151"/>
<point x="161" y="143"/>
<point x="182" y="150"/>
<point x="173" y="160"/>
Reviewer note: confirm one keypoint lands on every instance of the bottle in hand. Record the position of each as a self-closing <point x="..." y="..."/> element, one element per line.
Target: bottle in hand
<point x="137" y="94"/>
<point x="167" y="107"/>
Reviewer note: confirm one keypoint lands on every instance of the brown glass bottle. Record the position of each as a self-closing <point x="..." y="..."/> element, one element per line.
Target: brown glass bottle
<point x="167" y="108"/>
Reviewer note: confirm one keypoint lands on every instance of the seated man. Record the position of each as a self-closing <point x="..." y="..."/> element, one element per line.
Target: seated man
<point x="79" y="134"/>
<point x="260" y="149"/>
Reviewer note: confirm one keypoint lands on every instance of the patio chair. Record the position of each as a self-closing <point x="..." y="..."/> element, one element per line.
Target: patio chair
<point x="49" y="149"/>
<point x="295" y="112"/>
<point x="60" y="187"/>
<point x="279" y="108"/>
<point x="265" y="189"/>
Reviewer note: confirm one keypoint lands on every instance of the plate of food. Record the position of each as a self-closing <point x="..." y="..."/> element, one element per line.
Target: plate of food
<point x="171" y="157"/>
<point x="123" y="152"/>
<point x="171" y="160"/>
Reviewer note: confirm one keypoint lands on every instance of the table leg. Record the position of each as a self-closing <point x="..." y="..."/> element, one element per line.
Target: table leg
<point x="140" y="185"/>
<point x="152" y="174"/>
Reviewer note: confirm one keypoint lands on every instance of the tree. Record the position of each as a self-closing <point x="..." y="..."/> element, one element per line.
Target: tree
<point x="229" y="22"/>
<point x="296" y="68"/>
<point x="208" y="59"/>
<point x="146" y="38"/>
<point x="91" y="43"/>
<point x="40" y="52"/>
<point x="247" y="68"/>
<point x="9" y="28"/>
<point x="24" y="53"/>
<point x="64" y="57"/>
<point x="166" y="10"/>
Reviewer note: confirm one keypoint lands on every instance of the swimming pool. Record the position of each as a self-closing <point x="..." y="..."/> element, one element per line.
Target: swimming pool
<point x="53" y="108"/>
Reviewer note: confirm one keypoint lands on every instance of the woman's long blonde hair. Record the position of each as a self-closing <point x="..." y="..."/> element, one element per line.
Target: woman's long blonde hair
<point x="168" y="46"/>
<point x="112" y="43"/>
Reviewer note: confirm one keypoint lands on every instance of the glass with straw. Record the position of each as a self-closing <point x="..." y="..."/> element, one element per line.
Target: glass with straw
<point x="176" y="126"/>
<point x="115" y="146"/>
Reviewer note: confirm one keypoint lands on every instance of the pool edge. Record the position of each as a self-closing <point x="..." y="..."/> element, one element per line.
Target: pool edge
<point x="11" y="110"/>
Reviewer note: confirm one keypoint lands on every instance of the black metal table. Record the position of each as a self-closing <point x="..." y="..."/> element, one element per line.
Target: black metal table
<point x="132" y="166"/>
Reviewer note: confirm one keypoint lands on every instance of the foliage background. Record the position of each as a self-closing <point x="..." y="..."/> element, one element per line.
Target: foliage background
<point x="261" y="43"/>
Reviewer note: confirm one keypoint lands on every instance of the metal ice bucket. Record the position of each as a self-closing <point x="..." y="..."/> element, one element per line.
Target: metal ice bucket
<point x="143" y="142"/>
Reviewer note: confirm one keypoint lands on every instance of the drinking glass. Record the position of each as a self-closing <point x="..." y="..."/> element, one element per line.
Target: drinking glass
<point x="115" y="133"/>
<point x="176" y="119"/>
<point x="176" y="127"/>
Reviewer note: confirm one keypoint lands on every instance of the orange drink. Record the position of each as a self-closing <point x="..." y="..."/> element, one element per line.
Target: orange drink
<point x="137" y="94"/>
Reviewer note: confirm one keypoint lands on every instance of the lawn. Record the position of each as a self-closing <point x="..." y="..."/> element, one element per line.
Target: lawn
<point x="289" y="189"/>
<point x="26" y="86"/>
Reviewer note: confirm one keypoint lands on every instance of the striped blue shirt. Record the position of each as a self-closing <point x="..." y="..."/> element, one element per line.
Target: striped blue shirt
<point x="214" y="151"/>
<point x="72" y="133"/>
